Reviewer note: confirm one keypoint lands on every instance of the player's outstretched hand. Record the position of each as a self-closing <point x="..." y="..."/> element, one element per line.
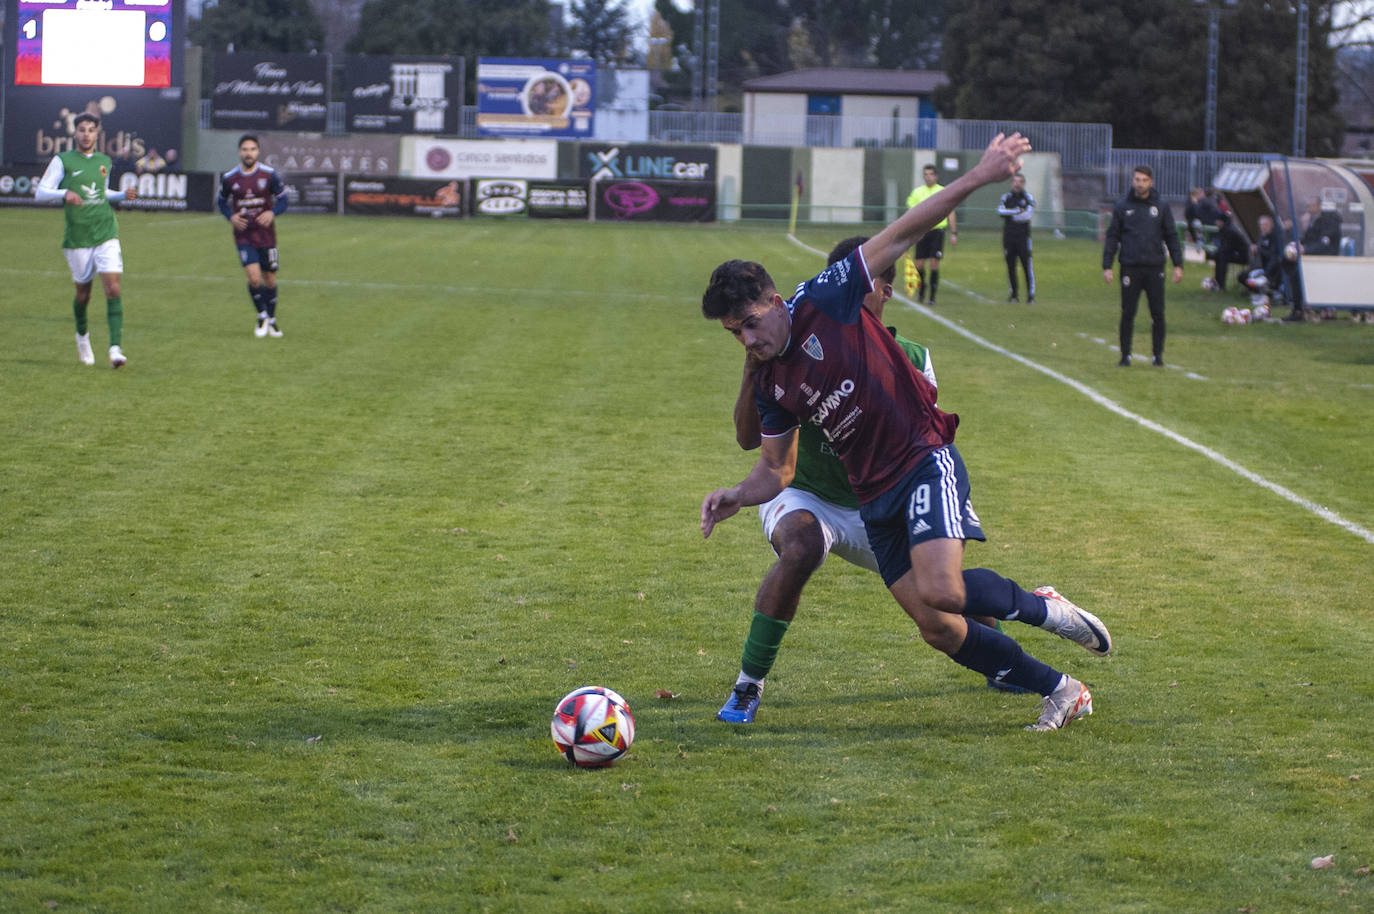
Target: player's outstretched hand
<point x="716" y="507"/>
<point x="1002" y="158"/>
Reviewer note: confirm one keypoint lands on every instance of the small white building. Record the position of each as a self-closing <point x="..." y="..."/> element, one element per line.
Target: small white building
<point x="842" y="107"/>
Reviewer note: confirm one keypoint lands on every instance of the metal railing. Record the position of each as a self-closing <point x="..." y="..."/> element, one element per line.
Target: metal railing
<point x="1083" y="149"/>
<point x="1175" y="171"/>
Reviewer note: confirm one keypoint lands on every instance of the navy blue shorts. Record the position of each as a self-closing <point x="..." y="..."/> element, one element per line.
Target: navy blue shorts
<point x="931" y="502"/>
<point x="264" y="257"/>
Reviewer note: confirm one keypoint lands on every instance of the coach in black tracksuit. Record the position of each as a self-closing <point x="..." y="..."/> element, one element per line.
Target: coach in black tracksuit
<point x="1142" y="228"/>
<point x="1017" y="208"/>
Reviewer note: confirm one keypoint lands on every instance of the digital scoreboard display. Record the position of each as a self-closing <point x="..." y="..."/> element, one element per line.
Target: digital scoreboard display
<point x="94" y="43"/>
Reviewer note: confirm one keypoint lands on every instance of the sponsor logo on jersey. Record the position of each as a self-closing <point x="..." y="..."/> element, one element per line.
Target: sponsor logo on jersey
<point x="812" y="347"/>
<point x="778" y="392"/>
<point x="971" y="514"/>
<point x="920" y="527"/>
<point x="832" y="402"/>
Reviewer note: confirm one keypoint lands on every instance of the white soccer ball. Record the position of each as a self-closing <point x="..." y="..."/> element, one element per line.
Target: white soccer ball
<point x="1230" y="316"/>
<point x="1290" y="250"/>
<point x="592" y="726"/>
<point x="1245" y="315"/>
<point x="1209" y="284"/>
<point x="1261" y="310"/>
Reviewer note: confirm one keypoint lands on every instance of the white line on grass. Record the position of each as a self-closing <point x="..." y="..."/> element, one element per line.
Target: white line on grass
<point x="1287" y="494"/>
<point x="366" y="284"/>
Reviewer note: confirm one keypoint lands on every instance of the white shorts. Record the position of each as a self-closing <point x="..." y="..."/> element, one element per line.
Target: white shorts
<point x="842" y="528"/>
<point x="106" y="257"/>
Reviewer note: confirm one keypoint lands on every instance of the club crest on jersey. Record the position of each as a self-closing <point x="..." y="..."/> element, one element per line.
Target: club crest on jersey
<point x="812" y="347"/>
<point x="1154" y="211"/>
<point x="262" y="183"/>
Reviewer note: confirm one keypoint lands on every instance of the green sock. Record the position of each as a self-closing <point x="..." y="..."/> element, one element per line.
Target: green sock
<point x="761" y="647"/>
<point x="79" y="310"/>
<point x="114" y="311"/>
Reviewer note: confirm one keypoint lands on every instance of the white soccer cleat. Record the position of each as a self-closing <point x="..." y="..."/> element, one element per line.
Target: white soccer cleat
<point x="1074" y="623"/>
<point x="116" y="357"/>
<point x="272" y="329"/>
<point x="83" y="349"/>
<point x="260" y="330"/>
<point x="1070" y="701"/>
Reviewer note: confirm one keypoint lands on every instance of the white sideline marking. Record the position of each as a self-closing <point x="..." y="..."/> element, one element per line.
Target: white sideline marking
<point x="1287" y="494"/>
<point x="237" y="281"/>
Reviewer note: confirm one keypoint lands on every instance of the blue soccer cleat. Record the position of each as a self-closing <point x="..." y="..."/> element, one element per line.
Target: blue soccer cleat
<point x="739" y="708"/>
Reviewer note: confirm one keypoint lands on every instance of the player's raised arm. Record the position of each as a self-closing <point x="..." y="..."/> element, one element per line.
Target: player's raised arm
<point x="1000" y="161"/>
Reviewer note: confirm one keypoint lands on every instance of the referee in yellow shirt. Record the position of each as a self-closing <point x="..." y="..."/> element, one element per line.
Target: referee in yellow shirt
<point x="931" y="247"/>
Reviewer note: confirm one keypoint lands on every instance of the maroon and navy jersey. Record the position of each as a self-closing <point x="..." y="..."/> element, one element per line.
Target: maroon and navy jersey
<point x="251" y="193"/>
<point x="843" y="372"/>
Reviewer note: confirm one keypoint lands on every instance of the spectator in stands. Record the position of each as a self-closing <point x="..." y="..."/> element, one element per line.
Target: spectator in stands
<point x="1321" y="229"/>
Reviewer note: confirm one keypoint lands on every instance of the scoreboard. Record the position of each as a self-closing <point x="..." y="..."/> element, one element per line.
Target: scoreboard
<point x="126" y="43"/>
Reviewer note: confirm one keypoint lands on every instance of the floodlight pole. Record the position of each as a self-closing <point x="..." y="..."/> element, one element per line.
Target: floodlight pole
<point x="1300" y="86"/>
<point x="713" y="56"/>
<point x="1209" y="139"/>
<point x="1214" y="11"/>
<point x="698" y="51"/>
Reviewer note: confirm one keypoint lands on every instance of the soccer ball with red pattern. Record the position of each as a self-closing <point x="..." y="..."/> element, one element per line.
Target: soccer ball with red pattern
<point x="592" y="726"/>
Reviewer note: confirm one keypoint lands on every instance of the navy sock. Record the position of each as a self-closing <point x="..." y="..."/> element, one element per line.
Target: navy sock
<point x="269" y="297"/>
<point x="987" y="593"/>
<point x="996" y="656"/>
<point x="255" y="293"/>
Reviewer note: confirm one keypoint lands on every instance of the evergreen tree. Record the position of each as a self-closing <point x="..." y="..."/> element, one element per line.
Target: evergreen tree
<point x="1142" y="68"/>
<point x="460" y="28"/>
<point x="604" y="30"/>
<point x="283" y="26"/>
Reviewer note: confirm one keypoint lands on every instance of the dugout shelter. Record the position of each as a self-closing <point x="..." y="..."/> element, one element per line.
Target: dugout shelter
<point x="1295" y="192"/>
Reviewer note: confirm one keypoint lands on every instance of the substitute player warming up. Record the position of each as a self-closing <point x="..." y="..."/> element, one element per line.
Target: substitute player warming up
<point x="80" y="178"/>
<point x="251" y="196"/>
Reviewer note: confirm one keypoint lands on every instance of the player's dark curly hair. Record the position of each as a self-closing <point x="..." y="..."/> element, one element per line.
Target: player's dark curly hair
<point x="846" y="247"/>
<point x="83" y="117"/>
<point x="733" y="286"/>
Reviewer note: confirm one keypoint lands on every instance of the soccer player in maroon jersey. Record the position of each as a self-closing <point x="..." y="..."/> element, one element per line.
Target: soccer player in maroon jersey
<point x="251" y="196"/>
<point x="826" y="360"/>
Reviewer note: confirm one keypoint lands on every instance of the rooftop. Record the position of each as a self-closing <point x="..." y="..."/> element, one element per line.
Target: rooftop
<point x="850" y="81"/>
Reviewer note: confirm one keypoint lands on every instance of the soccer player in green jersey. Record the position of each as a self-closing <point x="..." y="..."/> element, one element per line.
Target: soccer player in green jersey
<point x="80" y="178"/>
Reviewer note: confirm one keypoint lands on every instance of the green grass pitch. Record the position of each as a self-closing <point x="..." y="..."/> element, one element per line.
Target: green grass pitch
<point x="282" y="622"/>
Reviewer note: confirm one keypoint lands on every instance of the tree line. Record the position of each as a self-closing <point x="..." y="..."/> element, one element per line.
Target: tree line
<point x="1141" y="67"/>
